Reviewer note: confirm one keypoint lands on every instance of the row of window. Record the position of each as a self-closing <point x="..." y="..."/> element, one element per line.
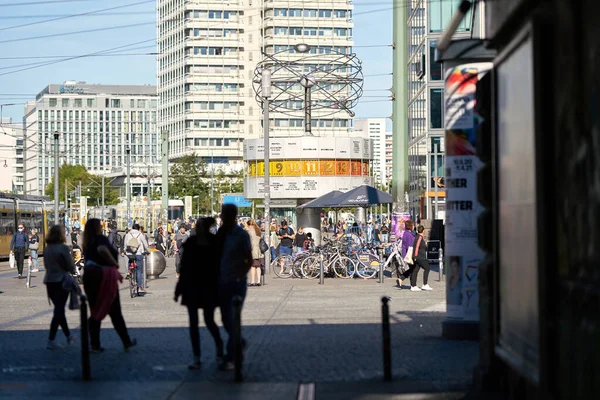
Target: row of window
<point x="320" y="123"/>
<point x="80" y="140"/>
<point x="316" y="49"/>
<point x="108" y="103"/>
<point x="98" y="115"/>
<point x="213" y="87"/>
<point x="311" y="13"/>
<point x="95" y="127"/>
<point x="204" y="14"/>
<point x="212" y="124"/>
<point x="221" y="142"/>
<point x="213" y="106"/>
<point x="306" y="31"/>
<point x="212" y="51"/>
<point x="212" y="69"/>
<point x="211" y="33"/>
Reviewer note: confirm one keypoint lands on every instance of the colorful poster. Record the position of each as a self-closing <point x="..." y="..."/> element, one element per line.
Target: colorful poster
<point x="327" y="168"/>
<point x="355" y="168"/>
<point x="310" y="167"/>
<point x="397" y="226"/>
<point x="462" y="252"/>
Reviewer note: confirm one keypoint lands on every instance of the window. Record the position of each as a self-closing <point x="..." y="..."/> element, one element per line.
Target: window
<point x="132" y="103"/>
<point x="65" y="102"/>
<point x="435" y="108"/>
<point x="116" y="103"/>
<point x="441" y="12"/>
<point x="91" y="102"/>
<point x="78" y="103"/>
<point x="52" y="102"/>
<point x="435" y="69"/>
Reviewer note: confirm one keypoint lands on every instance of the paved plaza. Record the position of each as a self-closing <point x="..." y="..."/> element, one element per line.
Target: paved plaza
<point x="325" y="337"/>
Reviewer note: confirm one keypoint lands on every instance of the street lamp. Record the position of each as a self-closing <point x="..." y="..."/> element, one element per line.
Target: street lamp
<point x="56" y="166"/>
<point x="308" y="81"/>
<point x="128" y="190"/>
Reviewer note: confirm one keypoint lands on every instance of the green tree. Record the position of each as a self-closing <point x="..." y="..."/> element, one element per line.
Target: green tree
<point x="187" y="177"/>
<point x="91" y="185"/>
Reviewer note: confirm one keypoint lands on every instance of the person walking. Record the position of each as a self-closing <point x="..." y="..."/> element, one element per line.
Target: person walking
<point x="198" y="286"/>
<point x="135" y="246"/>
<point x="408" y="240"/>
<point x="421" y="259"/>
<point x="113" y="237"/>
<point x="100" y="281"/>
<point x="180" y="238"/>
<point x="19" y="245"/>
<point x="274" y="242"/>
<point x="58" y="262"/>
<point x="161" y="241"/>
<point x="34" y="245"/>
<point x="258" y="258"/>
<point x="235" y="254"/>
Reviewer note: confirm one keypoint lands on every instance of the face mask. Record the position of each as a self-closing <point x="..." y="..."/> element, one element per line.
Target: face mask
<point x="20" y="229"/>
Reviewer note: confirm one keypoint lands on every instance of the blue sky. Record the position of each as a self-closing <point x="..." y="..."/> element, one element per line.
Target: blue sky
<point x="374" y="27"/>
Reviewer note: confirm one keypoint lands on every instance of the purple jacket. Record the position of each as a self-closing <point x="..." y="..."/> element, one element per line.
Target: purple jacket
<point x="408" y="239"/>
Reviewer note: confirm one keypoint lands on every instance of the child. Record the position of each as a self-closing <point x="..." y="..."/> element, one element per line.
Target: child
<point x="309" y="243"/>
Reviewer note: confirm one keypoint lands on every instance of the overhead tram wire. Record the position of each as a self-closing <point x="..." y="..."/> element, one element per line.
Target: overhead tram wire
<point x="39" y="16"/>
<point x="77" y="15"/>
<point x="36" y="3"/>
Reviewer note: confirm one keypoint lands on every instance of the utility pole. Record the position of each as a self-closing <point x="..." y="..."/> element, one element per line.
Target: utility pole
<point x="212" y="185"/>
<point x="149" y="212"/>
<point x="266" y="94"/>
<point x="66" y="201"/>
<point x="165" y="175"/>
<point x="128" y="191"/>
<point x="56" y="166"/>
<point x="102" y="196"/>
<point x="399" y="108"/>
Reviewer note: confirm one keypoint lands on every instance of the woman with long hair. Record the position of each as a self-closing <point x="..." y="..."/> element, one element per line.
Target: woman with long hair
<point x="100" y="281"/>
<point x="58" y="262"/>
<point x="198" y="285"/>
<point x="257" y="257"/>
<point x="408" y="240"/>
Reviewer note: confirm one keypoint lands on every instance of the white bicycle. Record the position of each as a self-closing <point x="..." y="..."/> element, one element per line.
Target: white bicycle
<point x="368" y="263"/>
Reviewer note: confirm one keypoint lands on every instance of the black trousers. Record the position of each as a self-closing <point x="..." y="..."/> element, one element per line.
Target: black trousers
<point x="19" y="258"/>
<point x="59" y="297"/>
<point x="209" y="320"/>
<point x="420" y="263"/>
<point x="91" y="283"/>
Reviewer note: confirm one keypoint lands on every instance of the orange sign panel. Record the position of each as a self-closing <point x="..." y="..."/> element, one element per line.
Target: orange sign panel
<point x="327" y="168"/>
<point x="310" y="167"/>
<point x="365" y="168"/>
<point x="342" y="168"/>
<point x="356" y="168"/>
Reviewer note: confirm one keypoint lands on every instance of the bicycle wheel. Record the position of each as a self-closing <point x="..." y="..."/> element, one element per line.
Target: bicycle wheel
<point x="283" y="266"/>
<point x="344" y="267"/>
<point x="132" y="285"/>
<point x="367" y="265"/>
<point x="311" y="267"/>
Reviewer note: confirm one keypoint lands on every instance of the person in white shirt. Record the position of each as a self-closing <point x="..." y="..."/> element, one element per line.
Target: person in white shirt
<point x="136" y="245"/>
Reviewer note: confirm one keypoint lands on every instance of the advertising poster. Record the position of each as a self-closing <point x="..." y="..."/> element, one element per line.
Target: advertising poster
<point x="397" y="226"/>
<point x="462" y="253"/>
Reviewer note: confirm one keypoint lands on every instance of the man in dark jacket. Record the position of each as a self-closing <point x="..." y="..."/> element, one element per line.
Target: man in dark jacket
<point x="19" y="245"/>
<point x="235" y="253"/>
<point x="113" y="237"/>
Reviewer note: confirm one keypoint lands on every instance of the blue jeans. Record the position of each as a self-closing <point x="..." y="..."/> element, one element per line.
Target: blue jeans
<point x="34" y="257"/>
<point x="139" y="260"/>
<point x="227" y="291"/>
<point x="285" y="250"/>
<point x="273" y="253"/>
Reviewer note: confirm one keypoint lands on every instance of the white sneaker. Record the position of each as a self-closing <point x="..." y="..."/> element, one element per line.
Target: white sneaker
<point x="426" y="287"/>
<point x="52" y="345"/>
<point x="399" y="282"/>
<point x="415" y="289"/>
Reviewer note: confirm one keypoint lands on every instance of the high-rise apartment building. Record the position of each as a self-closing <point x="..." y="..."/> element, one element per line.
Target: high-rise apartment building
<point x="427" y="20"/>
<point x="208" y="53"/>
<point x="374" y="129"/>
<point x="11" y="156"/>
<point x="96" y="125"/>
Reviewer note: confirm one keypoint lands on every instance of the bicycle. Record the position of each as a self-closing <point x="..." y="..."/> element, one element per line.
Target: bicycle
<point x="333" y="262"/>
<point x="369" y="263"/>
<point x="287" y="266"/>
<point x="134" y="285"/>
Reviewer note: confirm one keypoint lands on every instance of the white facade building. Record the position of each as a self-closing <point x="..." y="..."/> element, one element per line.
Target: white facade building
<point x="375" y="129"/>
<point x="208" y="53"/>
<point x="11" y="156"/>
<point x="96" y="124"/>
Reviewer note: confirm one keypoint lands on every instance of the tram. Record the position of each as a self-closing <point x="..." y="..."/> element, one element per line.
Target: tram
<point x="31" y="211"/>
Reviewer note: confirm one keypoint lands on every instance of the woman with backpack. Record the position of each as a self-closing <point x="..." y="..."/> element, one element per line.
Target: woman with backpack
<point x="101" y="283"/>
<point x="198" y="286"/>
<point x="257" y="257"/>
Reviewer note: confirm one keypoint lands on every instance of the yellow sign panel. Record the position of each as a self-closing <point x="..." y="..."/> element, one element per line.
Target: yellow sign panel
<point x="252" y="168"/>
<point x="277" y="168"/>
<point x="310" y="167"/>
<point x="292" y="168"/>
<point x="260" y="168"/>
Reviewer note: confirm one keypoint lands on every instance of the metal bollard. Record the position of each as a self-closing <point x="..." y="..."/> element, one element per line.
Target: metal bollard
<point x="28" y="281"/>
<point x="381" y="272"/>
<point x="237" y="338"/>
<point x="322" y="272"/>
<point x="85" y="348"/>
<point x="441" y="264"/>
<point x="387" y="344"/>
